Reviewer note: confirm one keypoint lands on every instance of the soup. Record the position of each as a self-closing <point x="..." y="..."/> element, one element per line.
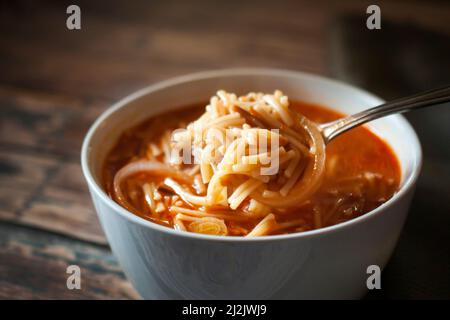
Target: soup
<point x="249" y="166"/>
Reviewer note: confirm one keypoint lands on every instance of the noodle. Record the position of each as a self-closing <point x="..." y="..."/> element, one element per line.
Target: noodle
<point x="249" y="165"/>
<point x="247" y="156"/>
<point x="264" y="227"/>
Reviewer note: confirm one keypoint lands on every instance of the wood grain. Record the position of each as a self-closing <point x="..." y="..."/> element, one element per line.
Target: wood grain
<point x="33" y="266"/>
<point x="112" y="55"/>
<point x="40" y="142"/>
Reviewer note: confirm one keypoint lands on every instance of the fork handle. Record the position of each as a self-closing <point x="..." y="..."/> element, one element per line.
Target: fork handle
<point x="332" y="129"/>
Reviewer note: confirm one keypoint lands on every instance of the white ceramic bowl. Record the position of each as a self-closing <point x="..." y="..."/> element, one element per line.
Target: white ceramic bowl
<point x="327" y="263"/>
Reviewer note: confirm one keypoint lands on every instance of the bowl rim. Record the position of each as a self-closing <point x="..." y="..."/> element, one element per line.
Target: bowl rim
<point x="408" y="184"/>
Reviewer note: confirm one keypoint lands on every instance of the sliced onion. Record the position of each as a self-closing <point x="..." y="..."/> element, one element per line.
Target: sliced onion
<point x="209" y="225"/>
<point x="150" y="167"/>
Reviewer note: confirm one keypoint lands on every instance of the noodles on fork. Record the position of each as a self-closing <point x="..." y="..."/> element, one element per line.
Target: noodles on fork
<point x="276" y="163"/>
<point x="249" y="165"/>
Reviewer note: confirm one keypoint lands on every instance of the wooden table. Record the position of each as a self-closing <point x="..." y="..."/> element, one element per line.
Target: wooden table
<point x="55" y="82"/>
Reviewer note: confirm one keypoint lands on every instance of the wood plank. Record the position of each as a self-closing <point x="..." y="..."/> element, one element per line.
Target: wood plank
<point x="150" y="49"/>
<point x="20" y="179"/>
<point x="122" y="48"/>
<point x="65" y="206"/>
<point x="40" y="142"/>
<point x="48" y="123"/>
<point x="34" y="267"/>
<point x="48" y="194"/>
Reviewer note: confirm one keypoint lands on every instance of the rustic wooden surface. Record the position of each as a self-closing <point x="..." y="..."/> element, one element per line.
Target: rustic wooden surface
<point x="55" y="82"/>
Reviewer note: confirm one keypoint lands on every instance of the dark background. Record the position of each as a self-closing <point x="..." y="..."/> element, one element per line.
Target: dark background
<point x="55" y="82"/>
